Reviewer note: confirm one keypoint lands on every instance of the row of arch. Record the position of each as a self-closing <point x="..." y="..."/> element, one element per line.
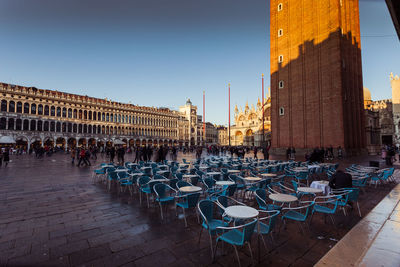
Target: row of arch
<point x="69" y="142"/>
<point x="68" y="127"/>
<point x="46" y="110"/>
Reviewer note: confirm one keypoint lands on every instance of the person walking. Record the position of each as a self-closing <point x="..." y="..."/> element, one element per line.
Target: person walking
<point x="255" y="152"/>
<point x="120" y="155"/>
<point x="73" y="154"/>
<point x="1" y="158"/>
<point x="112" y="154"/>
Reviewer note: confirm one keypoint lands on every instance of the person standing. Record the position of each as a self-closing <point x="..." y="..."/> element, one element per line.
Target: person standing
<point x="1" y="158"/>
<point x="6" y="157"/>
<point x="266" y="152"/>
<point x="112" y="154"/>
<point x="255" y="152"/>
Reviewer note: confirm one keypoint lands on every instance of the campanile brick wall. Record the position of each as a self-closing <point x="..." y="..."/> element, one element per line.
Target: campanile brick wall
<point x="322" y="94"/>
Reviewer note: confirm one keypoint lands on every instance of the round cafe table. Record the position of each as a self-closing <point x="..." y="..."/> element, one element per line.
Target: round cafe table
<point x="190" y="189"/>
<point x="268" y="174"/>
<point x="213" y="173"/>
<point x="283" y="198"/>
<point x="241" y="212"/>
<point x="233" y="171"/>
<point x="252" y="179"/>
<point x="323" y="185"/>
<point x="121" y="170"/>
<point x="312" y="190"/>
<point x="188" y="176"/>
<point x="160" y="180"/>
<point x="223" y="183"/>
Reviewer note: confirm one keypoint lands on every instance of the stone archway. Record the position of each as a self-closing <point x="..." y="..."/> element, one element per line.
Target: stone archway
<point x="238" y="138"/>
<point x="21" y="142"/>
<point x="71" y="143"/>
<point x="60" y="142"/>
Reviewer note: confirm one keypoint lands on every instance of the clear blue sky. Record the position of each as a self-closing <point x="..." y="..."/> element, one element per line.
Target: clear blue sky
<point x="159" y="52"/>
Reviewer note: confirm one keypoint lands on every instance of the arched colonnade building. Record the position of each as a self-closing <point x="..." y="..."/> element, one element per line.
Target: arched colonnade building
<point x="36" y="116"/>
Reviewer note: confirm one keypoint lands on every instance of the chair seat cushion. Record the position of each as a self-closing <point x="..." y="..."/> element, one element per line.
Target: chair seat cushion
<point x="233" y="237"/>
<point x="294" y="215"/>
<point x="323" y="209"/>
<point x="166" y="199"/>
<point x="264" y="229"/>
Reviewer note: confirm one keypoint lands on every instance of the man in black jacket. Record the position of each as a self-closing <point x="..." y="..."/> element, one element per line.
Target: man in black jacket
<point x="341" y="179"/>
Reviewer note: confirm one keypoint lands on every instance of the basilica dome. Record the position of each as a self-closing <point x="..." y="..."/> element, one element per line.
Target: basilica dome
<point x="367" y="94"/>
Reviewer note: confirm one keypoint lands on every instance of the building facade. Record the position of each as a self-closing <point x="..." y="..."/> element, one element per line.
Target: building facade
<point x="395" y="84"/>
<point x="316" y="75"/>
<point x="247" y="130"/>
<point x="222" y="135"/>
<point x="35" y="117"/>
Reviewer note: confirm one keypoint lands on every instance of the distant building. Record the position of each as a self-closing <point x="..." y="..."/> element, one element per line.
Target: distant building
<point x="395" y="84"/>
<point x="222" y="135"/>
<point x="35" y="117"/>
<point x="247" y="130"/>
<point x="211" y="134"/>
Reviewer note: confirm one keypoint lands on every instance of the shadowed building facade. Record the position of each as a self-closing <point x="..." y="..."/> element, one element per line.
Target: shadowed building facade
<point x="316" y="75"/>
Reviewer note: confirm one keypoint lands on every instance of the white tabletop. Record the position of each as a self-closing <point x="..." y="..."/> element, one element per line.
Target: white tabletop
<point x="145" y="168"/>
<point x="159" y="180"/>
<point x="204" y="167"/>
<point x="284" y="198"/>
<point x="213" y="173"/>
<point x="121" y="170"/>
<point x="252" y="178"/>
<point x="241" y="212"/>
<point x="309" y="190"/>
<point x="183" y="164"/>
<point x="189" y="175"/>
<point x="233" y="171"/>
<point x="268" y="174"/>
<point x="224" y="182"/>
<point x="300" y="169"/>
<point x="313" y="166"/>
<point x="187" y="189"/>
<point x="136" y="173"/>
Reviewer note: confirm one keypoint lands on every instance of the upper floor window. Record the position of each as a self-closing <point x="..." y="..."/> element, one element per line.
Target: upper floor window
<point x="280" y="7"/>
<point x="280" y="59"/>
<point x="280" y="32"/>
<point x="281" y="111"/>
<point x="281" y="84"/>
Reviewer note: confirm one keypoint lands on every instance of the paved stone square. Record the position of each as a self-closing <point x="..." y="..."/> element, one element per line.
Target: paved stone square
<point x="52" y="215"/>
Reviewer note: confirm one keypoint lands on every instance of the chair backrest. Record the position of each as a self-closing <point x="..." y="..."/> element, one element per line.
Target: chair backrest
<point x="194" y="180"/>
<point x="181" y="183"/>
<point x="209" y="182"/>
<point x="261" y="196"/>
<point x="301" y="175"/>
<point x="143" y="180"/>
<point x="158" y="176"/>
<point x="122" y="175"/>
<point x="161" y="190"/>
<point x="353" y="194"/>
<point x="230" y="190"/>
<point x="179" y="176"/>
<point x="295" y="185"/>
<point x="206" y="208"/>
<point x="172" y="183"/>
<point x="192" y="199"/>
<point x="270" y="220"/>
<point x="248" y="230"/>
<point x="113" y="176"/>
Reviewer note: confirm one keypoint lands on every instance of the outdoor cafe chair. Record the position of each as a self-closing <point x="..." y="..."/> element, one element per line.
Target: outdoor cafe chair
<point x="209" y="221"/>
<point x="187" y="201"/>
<point x="164" y="195"/>
<point x="349" y="195"/>
<point x="266" y="224"/>
<point x="326" y="205"/>
<point x="298" y="214"/>
<point x="261" y="198"/>
<point x="143" y="183"/>
<point x="237" y="236"/>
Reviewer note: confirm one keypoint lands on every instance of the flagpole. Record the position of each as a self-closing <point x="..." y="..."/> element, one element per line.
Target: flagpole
<point x="204" y="118"/>
<point x="263" y="133"/>
<point x="229" y="112"/>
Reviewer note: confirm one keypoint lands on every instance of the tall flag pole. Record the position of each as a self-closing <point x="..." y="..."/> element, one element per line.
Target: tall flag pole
<point x="263" y="133"/>
<point x="204" y="118"/>
<point x="229" y="113"/>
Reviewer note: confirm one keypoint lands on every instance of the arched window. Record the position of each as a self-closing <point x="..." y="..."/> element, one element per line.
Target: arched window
<point x="70" y="113"/>
<point x="46" y="126"/>
<point x="26" y="125"/>
<point x="33" y="109"/>
<point x="40" y="109"/>
<point x="94" y="128"/>
<point x="74" y="128"/>
<point x="112" y="117"/>
<point x="85" y="115"/>
<point x="99" y="116"/>
<point x="85" y="128"/>
<point x="75" y="114"/>
<point x="64" y="127"/>
<point x="40" y="126"/>
<point x="3" y="105"/>
<point x="70" y="127"/>
<point x="94" y="115"/>
<point x="46" y="110"/>
<point x="11" y="106"/>
<point x="107" y="117"/>
<point x="90" y="129"/>
<point x="58" y="112"/>
<point x="53" y="111"/>
<point x="80" y="128"/>
<point x="58" y="127"/>
<point x="18" y="123"/>
<point x="52" y="126"/>
<point x="10" y="124"/>
<point x="19" y="107"/>
<point x="80" y="114"/>
<point x="64" y="112"/>
<point x="90" y="115"/>
<point x="26" y="108"/>
<point x="33" y="125"/>
<point x="3" y="123"/>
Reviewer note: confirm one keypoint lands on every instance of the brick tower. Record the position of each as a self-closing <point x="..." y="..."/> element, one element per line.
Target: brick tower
<point x="316" y="75"/>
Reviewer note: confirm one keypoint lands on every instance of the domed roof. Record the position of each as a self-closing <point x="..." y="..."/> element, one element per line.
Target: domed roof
<point x="188" y="102"/>
<point x="367" y="94"/>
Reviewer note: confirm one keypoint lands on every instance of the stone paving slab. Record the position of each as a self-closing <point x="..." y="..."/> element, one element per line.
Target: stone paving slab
<point x="52" y="215"/>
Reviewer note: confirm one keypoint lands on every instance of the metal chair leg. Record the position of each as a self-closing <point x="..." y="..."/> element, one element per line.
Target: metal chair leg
<point x="201" y="231"/>
<point x="251" y="253"/>
<point x="237" y="255"/>
<point x="162" y="217"/>
<point x="211" y="246"/>
<point x="359" y="211"/>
